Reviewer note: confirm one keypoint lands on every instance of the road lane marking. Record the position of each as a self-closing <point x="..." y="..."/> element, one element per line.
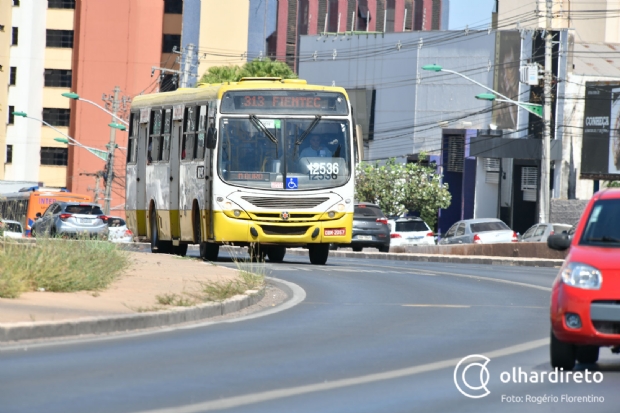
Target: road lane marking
<point x="437" y="305"/>
<point x="253" y="398"/>
<point x="475" y="277"/>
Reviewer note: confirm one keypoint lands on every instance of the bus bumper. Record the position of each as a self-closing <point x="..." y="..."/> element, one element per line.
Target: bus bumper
<point x="233" y="230"/>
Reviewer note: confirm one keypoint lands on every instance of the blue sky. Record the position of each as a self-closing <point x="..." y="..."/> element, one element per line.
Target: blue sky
<point x="470" y="12"/>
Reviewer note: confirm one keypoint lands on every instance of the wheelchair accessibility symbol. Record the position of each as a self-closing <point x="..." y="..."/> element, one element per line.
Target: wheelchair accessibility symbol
<point x="291" y="183"/>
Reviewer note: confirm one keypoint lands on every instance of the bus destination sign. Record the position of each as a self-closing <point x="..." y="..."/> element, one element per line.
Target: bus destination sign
<point x="285" y="101"/>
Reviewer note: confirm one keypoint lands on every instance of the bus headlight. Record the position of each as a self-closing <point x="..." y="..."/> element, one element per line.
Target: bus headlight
<point x="331" y="214"/>
<point x="341" y="207"/>
<point x="232" y="210"/>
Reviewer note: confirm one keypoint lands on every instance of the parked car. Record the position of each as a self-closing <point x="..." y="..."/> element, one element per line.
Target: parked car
<point x="479" y="231"/>
<point x="406" y="231"/>
<point x="71" y="219"/>
<point x="12" y="229"/>
<point x="585" y="297"/>
<point x="540" y="232"/>
<point x="118" y="231"/>
<point x="370" y="228"/>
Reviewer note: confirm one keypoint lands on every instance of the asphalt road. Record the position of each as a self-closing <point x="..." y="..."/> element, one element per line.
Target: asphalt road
<point x="370" y="336"/>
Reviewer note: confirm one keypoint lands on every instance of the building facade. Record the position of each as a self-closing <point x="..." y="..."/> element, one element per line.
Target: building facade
<point x="275" y="26"/>
<point x="39" y="70"/>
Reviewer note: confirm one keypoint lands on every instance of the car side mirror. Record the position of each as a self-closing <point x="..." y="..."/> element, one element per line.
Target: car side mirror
<point x="211" y="138"/>
<point x="559" y="242"/>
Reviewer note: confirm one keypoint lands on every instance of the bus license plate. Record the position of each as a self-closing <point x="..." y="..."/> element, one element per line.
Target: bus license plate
<point x="334" y="232"/>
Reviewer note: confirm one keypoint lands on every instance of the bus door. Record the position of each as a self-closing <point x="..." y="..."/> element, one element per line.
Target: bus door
<point x="209" y="165"/>
<point x="140" y="173"/>
<point x="175" y="182"/>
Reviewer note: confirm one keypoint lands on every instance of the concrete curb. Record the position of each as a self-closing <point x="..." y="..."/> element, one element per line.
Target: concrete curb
<point x="101" y="325"/>
<point x="400" y="256"/>
<point x="523" y="262"/>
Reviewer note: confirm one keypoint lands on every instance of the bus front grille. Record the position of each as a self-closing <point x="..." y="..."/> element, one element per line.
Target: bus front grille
<point x="284" y="203"/>
<point x="284" y="230"/>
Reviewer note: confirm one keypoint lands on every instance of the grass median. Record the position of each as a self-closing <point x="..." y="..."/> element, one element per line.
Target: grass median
<point x="59" y="266"/>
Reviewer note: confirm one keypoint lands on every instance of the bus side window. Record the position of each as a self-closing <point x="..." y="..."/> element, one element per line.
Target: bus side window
<point x="165" y="150"/>
<point x="187" y="151"/>
<point x="134" y="126"/>
<point x="201" y="136"/>
<point x="155" y="138"/>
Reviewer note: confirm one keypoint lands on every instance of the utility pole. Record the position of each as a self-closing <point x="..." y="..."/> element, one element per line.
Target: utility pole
<point x="187" y="65"/>
<point x="544" y="201"/>
<point x="111" y="149"/>
<point x="97" y="176"/>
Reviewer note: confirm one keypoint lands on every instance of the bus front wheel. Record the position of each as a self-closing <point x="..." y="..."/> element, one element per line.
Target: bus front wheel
<point x="276" y="253"/>
<point x="209" y="251"/>
<point x="318" y="253"/>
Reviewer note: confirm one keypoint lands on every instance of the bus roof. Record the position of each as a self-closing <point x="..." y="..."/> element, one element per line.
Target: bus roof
<point x="212" y="91"/>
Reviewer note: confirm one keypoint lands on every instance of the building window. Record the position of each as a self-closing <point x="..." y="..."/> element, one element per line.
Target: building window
<point x="9" y="154"/>
<point x="363" y="15"/>
<point x="332" y="18"/>
<point x="16" y="3"/>
<point x="170" y="41"/>
<point x="59" y="38"/>
<point x="13" y="76"/>
<point x="11" y="116"/>
<point x="390" y="9"/>
<point x="61" y="4"/>
<point x="304" y="12"/>
<point x="15" y="36"/>
<point x="56" y="117"/>
<point x="57" y="78"/>
<point x="54" y="156"/>
<point x="173" y="6"/>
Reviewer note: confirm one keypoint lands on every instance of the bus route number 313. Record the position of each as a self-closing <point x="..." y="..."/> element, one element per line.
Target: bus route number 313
<point x="323" y="170"/>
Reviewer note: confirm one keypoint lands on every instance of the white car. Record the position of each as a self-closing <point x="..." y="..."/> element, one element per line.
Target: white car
<point x="12" y="229"/>
<point x="409" y="231"/>
<point x="118" y="231"/>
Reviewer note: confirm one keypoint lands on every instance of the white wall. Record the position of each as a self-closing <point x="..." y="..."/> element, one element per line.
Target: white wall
<point x="485" y="203"/>
<point x="27" y="95"/>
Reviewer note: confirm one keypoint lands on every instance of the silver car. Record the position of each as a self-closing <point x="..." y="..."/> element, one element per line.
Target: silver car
<point x="540" y="232"/>
<point x="479" y="231"/>
<point x="71" y="219"/>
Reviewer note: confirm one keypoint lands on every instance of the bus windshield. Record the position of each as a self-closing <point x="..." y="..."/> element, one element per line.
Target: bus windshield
<point x="284" y="154"/>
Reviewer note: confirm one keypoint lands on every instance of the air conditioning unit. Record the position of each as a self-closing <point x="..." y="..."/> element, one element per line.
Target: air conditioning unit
<point x="529" y="74"/>
<point x="529" y="181"/>
<point x="491" y="167"/>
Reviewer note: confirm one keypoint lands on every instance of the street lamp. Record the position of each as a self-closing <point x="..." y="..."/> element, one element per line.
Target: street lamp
<point x="543" y="213"/>
<point x="115" y="125"/>
<point x="534" y="108"/>
<point x="75" y="96"/>
<point x="101" y="154"/>
<point x="67" y="138"/>
<point x="530" y="107"/>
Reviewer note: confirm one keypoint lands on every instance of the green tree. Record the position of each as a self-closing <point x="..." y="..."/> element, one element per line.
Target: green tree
<point x="221" y="74"/>
<point x="267" y="68"/>
<point x="397" y="188"/>
<point x="255" y="68"/>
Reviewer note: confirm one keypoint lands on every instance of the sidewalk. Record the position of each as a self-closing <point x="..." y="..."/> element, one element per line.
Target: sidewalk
<point x="129" y="304"/>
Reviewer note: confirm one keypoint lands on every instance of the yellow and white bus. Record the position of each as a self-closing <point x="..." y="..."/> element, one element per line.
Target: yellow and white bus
<point x="264" y="162"/>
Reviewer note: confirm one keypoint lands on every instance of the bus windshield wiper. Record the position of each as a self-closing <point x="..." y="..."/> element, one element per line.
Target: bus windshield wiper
<point x="604" y="238"/>
<point x="259" y="125"/>
<point x="303" y="136"/>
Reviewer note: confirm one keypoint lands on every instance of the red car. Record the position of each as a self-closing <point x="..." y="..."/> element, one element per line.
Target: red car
<point x="585" y="300"/>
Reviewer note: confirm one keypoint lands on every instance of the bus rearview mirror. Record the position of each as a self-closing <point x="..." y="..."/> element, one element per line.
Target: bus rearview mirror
<point x="211" y="138"/>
